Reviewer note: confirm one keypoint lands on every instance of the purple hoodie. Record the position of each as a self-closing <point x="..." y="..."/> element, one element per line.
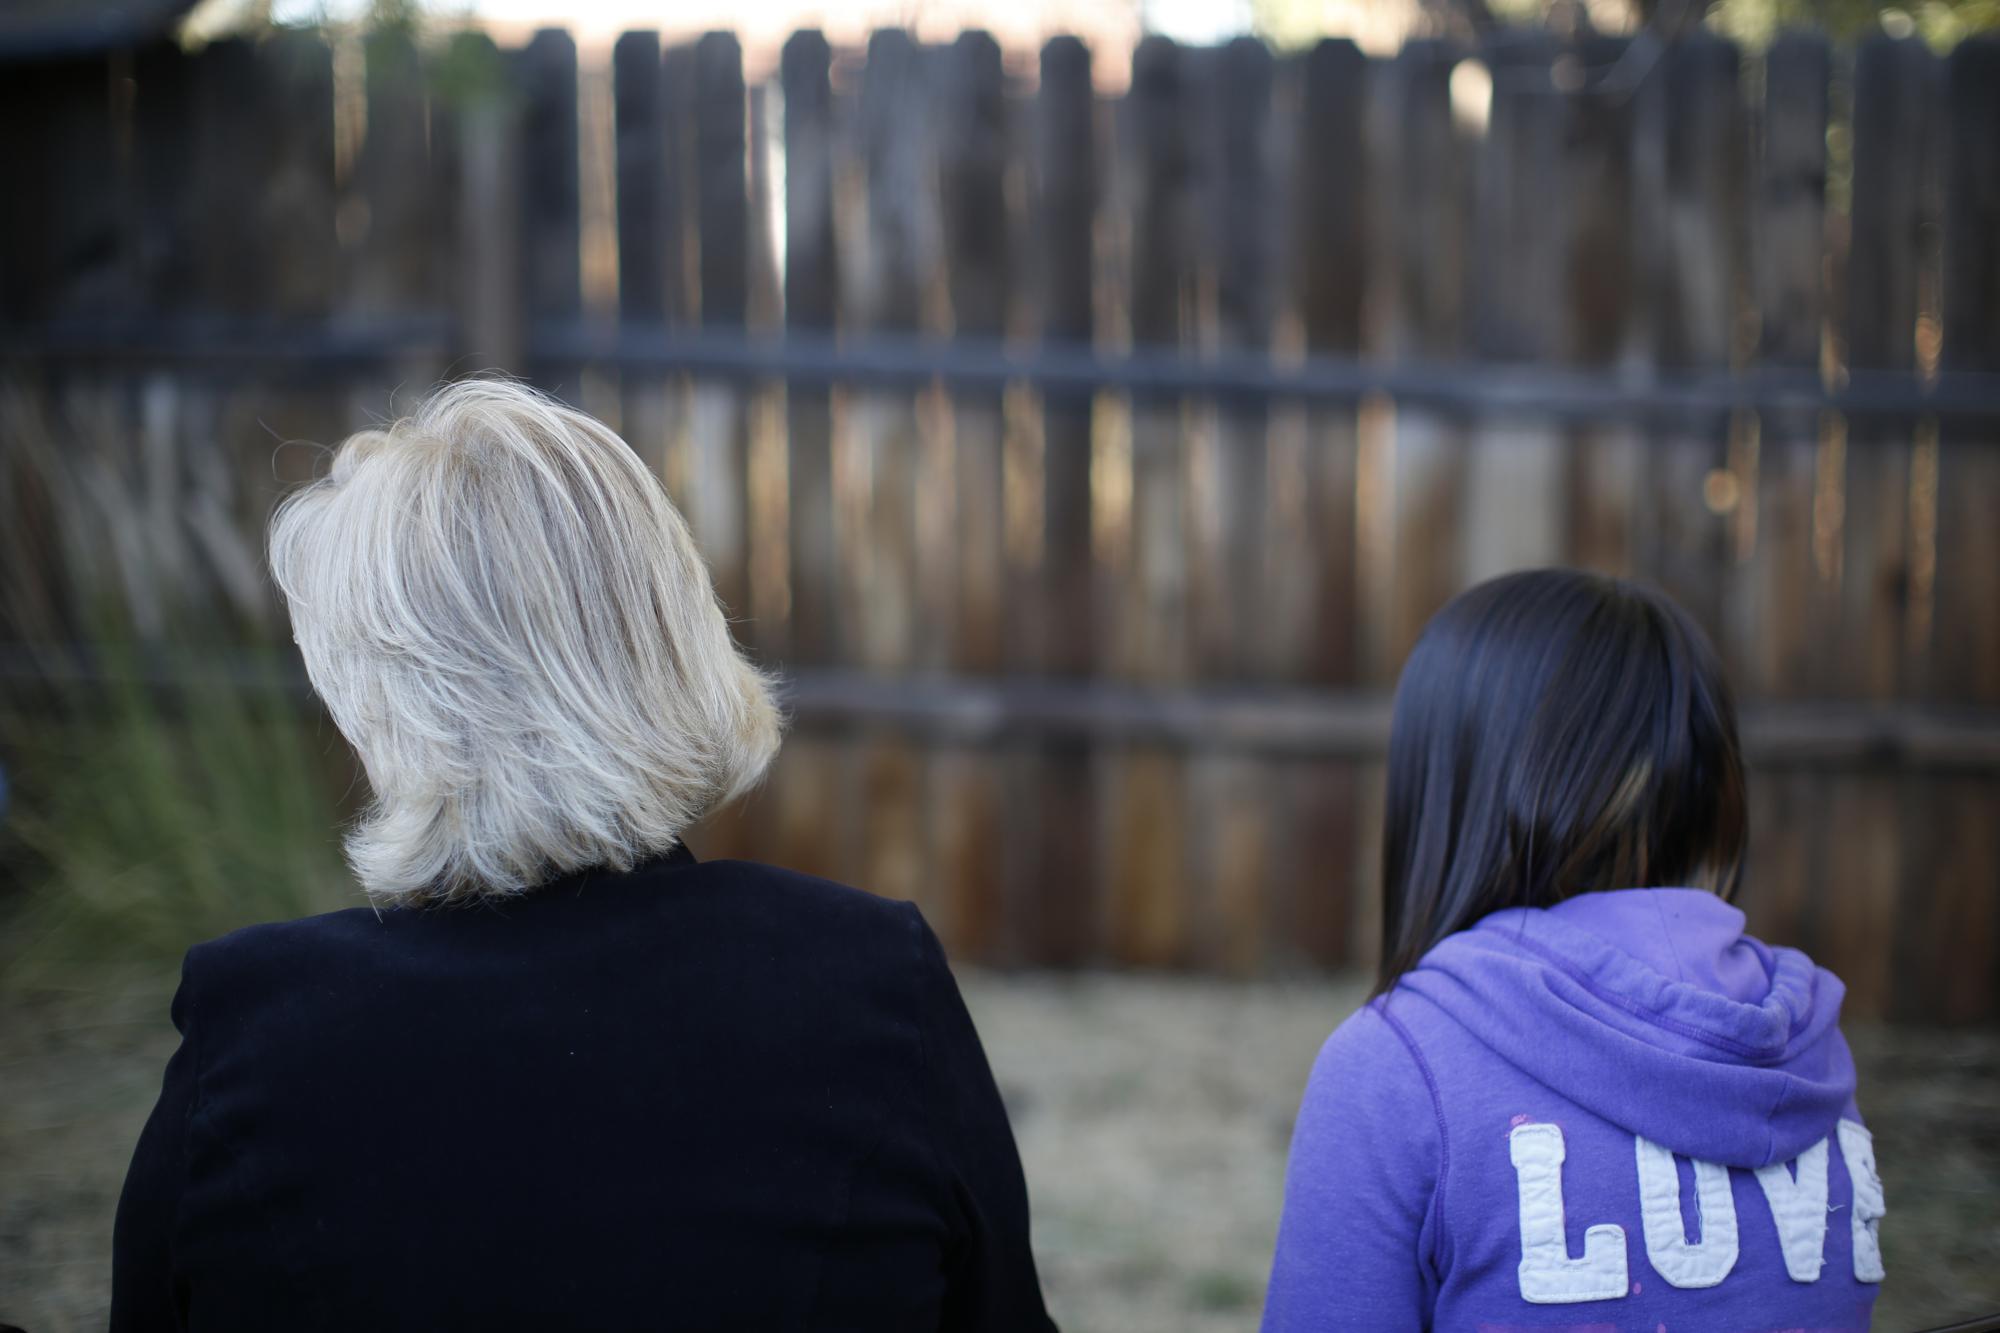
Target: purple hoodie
<point x="1616" y="1114"/>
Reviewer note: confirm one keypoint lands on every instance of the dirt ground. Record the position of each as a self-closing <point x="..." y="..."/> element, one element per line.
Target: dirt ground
<point x="1152" y="1113"/>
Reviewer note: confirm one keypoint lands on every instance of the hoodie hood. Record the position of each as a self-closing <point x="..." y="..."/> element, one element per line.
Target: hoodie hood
<point x="1652" y="1009"/>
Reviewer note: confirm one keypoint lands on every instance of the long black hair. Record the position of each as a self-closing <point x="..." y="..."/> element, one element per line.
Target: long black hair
<point x="1555" y="732"/>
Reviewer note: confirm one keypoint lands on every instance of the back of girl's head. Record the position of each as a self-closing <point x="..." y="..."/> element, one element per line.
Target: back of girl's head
<point x="1555" y="733"/>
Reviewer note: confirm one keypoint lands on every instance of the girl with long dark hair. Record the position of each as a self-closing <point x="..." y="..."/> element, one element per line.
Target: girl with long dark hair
<point x="1578" y="1083"/>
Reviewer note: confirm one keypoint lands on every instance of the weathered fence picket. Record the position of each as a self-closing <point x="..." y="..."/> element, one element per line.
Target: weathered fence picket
<point x="1782" y="600"/>
<point x="1965" y="567"/>
<point x="1894" y="84"/>
<point x="1948" y="940"/>
<point x="1314" y="596"/>
<point x="1147" y="868"/>
<point x="1789" y="258"/>
<point x="1427" y="165"/>
<point x="1052" y="851"/>
<point x="810" y="296"/>
<point x="1599" y="285"/>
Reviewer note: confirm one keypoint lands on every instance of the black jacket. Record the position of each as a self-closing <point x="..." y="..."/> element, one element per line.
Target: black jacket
<point x="695" y="1096"/>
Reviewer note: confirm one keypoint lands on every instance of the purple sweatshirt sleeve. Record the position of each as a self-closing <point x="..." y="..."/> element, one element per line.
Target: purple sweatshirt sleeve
<point x="1366" y="1163"/>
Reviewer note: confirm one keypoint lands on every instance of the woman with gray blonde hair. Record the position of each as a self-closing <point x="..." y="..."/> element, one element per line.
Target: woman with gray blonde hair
<point x="562" y="1075"/>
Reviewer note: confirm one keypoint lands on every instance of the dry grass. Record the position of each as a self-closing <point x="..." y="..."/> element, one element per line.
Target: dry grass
<point x="1153" y="1116"/>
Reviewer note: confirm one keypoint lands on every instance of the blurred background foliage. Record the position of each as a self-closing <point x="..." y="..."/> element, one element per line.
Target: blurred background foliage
<point x="171" y="787"/>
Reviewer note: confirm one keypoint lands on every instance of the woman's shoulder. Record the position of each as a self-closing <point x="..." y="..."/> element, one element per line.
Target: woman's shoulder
<point x="784" y="908"/>
<point x="797" y="890"/>
<point x="283" y="944"/>
<point x="270" y="968"/>
<point x="746" y="902"/>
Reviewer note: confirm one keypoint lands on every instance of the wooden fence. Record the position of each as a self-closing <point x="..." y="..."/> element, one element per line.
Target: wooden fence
<point x="1117" y="445"/>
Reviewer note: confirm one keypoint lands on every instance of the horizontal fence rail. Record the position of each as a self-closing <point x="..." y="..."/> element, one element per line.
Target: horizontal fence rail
<point x="1294" y="723"/>
<point x="250" y="350"/>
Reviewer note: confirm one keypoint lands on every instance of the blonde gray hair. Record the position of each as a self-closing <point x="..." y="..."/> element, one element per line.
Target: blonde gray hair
<point x="509" y="621"/>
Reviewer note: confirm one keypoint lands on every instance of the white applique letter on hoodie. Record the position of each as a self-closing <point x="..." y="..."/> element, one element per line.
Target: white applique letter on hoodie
<point x="1548" y="1275"/>
<point x="1798" y="1206"/>
<point x="1683" y="1263"/>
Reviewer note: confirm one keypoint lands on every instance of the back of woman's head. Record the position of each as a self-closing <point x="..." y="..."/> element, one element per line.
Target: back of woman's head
<point x="1555" y="733"/>
<point x="512" y="626"/>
